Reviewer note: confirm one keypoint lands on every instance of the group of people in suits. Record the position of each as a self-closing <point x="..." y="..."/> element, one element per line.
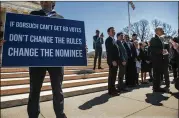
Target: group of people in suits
<point x="121" y="53"/>
<point x="131" y="57"/>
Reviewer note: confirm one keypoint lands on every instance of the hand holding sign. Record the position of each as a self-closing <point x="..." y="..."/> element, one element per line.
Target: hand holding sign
<point x="2" y="42"/>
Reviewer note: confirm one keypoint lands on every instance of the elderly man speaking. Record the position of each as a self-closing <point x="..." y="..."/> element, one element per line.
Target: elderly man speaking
<point x="157" y="56"/>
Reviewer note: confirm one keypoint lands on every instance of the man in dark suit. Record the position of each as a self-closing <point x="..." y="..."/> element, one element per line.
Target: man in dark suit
<point x="175" y="50"/>
<point x="174" y="57"/>
<point x="131" y="70"/>
<point x="133" y="40"/>
<point x="150" y="65"/>
<point x="157" y="57"/>
<point x="112" y="60"/>
<point x="37" y="75"/>
<point x="166" y="67"/>
<point x="122" y="62"/>
<point x="97" y="45"/>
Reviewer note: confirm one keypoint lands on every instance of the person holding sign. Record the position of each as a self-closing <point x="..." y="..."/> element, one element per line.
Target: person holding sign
<point x="37" y="75"/>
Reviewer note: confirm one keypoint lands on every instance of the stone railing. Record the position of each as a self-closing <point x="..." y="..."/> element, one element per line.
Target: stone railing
<point x="20" y="6"/>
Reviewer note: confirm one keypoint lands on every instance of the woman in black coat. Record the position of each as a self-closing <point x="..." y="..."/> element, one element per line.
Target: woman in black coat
<point x="145" y="61"/>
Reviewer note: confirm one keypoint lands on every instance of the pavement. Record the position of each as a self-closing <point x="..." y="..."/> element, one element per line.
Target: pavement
<point x="139" y="103"/>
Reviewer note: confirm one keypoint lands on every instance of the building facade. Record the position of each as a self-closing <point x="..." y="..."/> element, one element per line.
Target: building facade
<point x="17" y="7"/>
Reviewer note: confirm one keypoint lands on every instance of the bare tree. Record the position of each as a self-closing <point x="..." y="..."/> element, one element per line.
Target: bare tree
<point x="149" y="36"/>
<point x="126" y="30"/>
<point x="135" y="28"/>
<point x="156" y="23"/>
<point x="141" y="28"/>
<point x="174" y="33"/>
<point x="168" y="30"/>
<point x="144" y="30"/>
<point x="166" y="27"/>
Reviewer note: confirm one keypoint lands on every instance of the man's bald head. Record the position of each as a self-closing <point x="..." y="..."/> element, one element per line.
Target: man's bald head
<point x="159" y="31"/>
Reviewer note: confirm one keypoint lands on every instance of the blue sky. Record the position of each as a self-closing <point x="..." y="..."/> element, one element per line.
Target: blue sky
<point x="101" y="15"/>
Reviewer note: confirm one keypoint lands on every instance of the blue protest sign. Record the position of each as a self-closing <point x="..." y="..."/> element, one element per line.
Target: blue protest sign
<point x="42" y="41"/>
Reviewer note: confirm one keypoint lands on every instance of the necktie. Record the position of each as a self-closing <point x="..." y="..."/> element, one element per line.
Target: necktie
<point x="122" y="45"/>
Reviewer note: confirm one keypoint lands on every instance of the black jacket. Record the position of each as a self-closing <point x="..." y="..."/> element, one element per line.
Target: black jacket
<point x="39" y="13"/>
<point x="42" y="13"/>
<point x="111" y="50"/>
<point x="156" y="48"/>
<point x="131" y="52"/>
<point x="174" y="55"/>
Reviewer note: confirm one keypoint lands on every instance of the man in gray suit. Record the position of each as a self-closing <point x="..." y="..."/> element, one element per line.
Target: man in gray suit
<point x="122" y="62"/>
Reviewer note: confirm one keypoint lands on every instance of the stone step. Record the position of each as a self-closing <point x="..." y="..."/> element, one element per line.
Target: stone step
<point x="25" y="69"/>
<point x="22" y="99"/>
<point x="10" y="70"/>
<point x="24" y="88"/>
<point x="21" y="89"/>
<point x="25" y="80"/>
<point x="26" y="74"/>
